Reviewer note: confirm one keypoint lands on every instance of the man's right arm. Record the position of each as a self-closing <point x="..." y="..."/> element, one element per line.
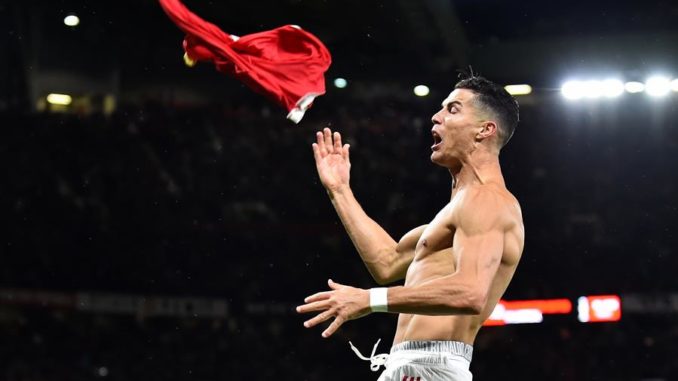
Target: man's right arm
<point x="386" y="259"/>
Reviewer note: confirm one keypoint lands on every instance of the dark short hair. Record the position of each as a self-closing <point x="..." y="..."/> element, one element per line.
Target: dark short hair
<point x="497" y="100"/>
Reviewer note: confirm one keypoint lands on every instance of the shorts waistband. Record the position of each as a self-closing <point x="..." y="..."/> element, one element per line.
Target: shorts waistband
<point x="454" y="347"/>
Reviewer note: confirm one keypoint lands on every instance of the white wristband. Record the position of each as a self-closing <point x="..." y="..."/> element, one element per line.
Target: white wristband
<point x="379" y="299"/>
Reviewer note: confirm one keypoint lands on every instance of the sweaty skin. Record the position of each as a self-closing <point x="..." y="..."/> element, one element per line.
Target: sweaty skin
<point x="457" y="267"/>
<point x="439" y="251"/>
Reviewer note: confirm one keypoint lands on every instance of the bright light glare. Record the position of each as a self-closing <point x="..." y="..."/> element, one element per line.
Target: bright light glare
<point x="612" y="88"/>
<point x="634" y="87"/>
<point x="518" y="89"/>
<point x="59" y="99"/>
<point x="593" y="89"/>
<point x="583" y="309"/>
<point x="657" y="86"/>
<point x="421" y="90"/>
<point x="674" y="85"/>
<point x="340" y="83"/>
<point x="573" y="90"/>
<point x="72" y="20"/>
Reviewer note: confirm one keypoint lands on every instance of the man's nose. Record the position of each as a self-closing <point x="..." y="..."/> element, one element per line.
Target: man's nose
<point x="435" y="119"/>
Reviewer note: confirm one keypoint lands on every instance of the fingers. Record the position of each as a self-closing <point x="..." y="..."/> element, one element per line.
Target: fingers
<point x="337" y="142"/>
<point x="322" y="301"/>
<point x="318" y="296"/>
<point x="345" y="154"/>
<point x="315" y="306"/>
<point x="320" y="142"/>
<point x="329" y="143"/>
<point x="338" y="321"/>
<point x="327" y="134"/>
<point x="334" y="285"/>
<point x="318" y="319"/>
<point x="316" y="151"/>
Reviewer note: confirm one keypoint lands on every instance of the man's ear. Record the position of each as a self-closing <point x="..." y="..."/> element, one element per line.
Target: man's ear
<point x="488" y="129"/>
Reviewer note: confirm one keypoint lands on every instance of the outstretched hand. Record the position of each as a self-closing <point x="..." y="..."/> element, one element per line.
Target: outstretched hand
<point x="331" y="160"/>
<point x="343" y="302"/>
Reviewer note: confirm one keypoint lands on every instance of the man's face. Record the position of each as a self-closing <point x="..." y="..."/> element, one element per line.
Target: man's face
<point x="454" y="128"/>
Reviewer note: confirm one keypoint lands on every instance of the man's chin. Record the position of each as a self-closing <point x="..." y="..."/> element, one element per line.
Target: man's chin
<point x="435" y="159"/>
<point x="439" y="161"/>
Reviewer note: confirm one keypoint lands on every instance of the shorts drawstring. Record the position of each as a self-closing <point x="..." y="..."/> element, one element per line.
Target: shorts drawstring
<point x="375" y="360"/>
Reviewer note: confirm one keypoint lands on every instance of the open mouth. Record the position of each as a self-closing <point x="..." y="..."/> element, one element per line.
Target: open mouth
<point x="436" y="140"/>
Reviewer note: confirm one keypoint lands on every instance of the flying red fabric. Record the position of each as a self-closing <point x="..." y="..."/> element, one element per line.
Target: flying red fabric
<point x="286" y="64"/>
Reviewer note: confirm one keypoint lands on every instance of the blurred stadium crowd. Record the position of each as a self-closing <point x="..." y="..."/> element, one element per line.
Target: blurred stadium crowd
<point x="223" y="201"/>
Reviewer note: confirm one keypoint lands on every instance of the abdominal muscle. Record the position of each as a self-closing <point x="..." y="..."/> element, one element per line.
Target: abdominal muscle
<point x="425" y="327"/>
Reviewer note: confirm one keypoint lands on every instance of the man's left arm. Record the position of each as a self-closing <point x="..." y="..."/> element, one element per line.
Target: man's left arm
<point x="478" y="243"/>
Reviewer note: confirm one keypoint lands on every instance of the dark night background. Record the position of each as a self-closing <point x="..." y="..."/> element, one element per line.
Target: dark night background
<point x="161" y="181"/>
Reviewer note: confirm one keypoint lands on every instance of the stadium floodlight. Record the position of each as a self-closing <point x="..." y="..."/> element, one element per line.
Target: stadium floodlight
<point x="590" y="89"/>
<point x="521" y="89"/>
<point x="340" y="83"/>
<point x="657" y="86"/>
<point x="634" y="87"/>
<point x="593" y="89"/>
<point x="612" y="88"/>
<point x="72" y="20"/>
<point x="674" y="85"/>
<point x="59" y="99"/>
<point x="573" y="90"/>
<point x="421" y="90"/>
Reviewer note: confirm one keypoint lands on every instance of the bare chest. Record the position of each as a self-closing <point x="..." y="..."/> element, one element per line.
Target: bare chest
<point x="434" y="254"/>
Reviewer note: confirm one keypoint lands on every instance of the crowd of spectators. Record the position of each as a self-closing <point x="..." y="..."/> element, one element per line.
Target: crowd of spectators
<point x="49" y="345"/>
<point x="223" y="201"/>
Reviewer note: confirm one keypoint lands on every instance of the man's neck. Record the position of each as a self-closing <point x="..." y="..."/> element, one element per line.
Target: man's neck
<point x="477" y="168"/>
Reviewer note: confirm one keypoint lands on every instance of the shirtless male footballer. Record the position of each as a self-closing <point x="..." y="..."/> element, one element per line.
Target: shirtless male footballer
<point x="458" y="266"/>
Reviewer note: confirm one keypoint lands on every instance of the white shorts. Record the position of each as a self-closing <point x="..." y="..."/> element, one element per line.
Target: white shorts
<point x="428" y="361"/>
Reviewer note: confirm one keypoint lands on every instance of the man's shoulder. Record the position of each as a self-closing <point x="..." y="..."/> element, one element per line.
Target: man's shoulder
<point x="490" y="193"/>
<point x="488" y="205"/>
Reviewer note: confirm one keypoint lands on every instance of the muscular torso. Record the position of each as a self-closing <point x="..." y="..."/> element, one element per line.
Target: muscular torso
<point x="435" y="256"/>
